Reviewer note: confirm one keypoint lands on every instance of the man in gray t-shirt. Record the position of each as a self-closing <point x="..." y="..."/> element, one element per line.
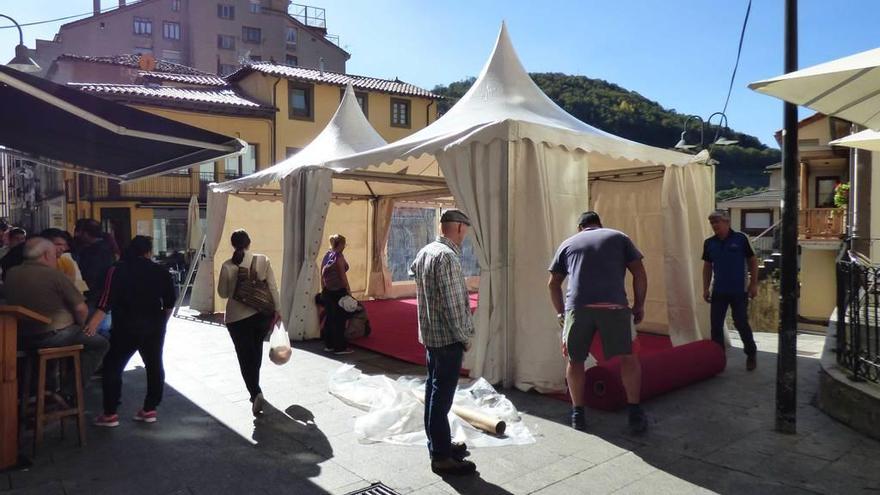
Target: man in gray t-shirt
<point x="595" y="261"/>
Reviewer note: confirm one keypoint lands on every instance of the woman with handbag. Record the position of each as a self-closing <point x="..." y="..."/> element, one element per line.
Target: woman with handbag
<point x="248" y="284"/>
<point x="334" y="286"/>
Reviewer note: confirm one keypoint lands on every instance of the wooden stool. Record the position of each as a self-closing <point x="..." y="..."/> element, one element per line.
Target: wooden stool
<point x="41" y="417"/>
<point x="26" y="372"/>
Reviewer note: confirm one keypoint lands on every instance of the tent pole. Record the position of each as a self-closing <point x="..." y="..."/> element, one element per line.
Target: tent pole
<point x="786" y="360"/>
<point x="189" y="275"/>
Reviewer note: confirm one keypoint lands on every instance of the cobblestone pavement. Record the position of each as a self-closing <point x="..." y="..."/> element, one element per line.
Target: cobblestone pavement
<point x="715" y="436"/>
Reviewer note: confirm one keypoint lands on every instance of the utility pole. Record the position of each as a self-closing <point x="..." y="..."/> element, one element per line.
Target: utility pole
<point x="786" y="361"/>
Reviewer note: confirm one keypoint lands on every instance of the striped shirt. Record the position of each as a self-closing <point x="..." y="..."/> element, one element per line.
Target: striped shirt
<point x="444" y="308"/>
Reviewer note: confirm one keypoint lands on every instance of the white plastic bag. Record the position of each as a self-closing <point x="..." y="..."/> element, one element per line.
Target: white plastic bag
<point x="279" y="345"/>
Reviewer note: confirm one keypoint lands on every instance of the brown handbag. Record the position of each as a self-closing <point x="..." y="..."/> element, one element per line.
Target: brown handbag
<point x="252" y="291"/>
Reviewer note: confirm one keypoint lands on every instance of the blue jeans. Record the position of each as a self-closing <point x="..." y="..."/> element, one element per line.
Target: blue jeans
<point x="739" y="304"/>
<point x="444" y="365"/>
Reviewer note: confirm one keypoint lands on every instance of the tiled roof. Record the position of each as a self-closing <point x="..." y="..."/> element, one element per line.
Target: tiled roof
<point x="208" y="96"/>
<point x="395" y="86"/>
<point x="134" y="61"/>
<point x="185" y="78"/>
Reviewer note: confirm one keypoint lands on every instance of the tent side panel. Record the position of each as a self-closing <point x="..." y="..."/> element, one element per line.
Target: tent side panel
<point x="688" y="198"/>
<point x="205" y="283"/>
<point x="548" y="191"/>
<point x="632" y="205"/>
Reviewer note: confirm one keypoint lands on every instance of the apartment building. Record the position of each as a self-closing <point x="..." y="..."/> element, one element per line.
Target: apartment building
<point x="213" y="36"/>
<point x="276" y="109"/>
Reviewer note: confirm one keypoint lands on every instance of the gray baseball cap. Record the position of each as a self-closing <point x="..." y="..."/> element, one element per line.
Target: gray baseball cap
<point x="455" y="216"/>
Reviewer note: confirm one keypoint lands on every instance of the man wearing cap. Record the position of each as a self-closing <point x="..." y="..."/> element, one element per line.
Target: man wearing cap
<point x="595" y="261"/>
<point x="725" y="258"/>
<point x="445" y="329"/>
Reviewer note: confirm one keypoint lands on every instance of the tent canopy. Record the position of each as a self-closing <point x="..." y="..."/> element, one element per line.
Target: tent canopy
<point x="65" y="128"/>
<point x="846" y="88"/>
<point x="504" y="103"/>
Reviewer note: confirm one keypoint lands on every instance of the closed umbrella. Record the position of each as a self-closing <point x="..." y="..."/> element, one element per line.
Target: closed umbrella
<point x="193" y="225"/>
<point x="847" y="88"/>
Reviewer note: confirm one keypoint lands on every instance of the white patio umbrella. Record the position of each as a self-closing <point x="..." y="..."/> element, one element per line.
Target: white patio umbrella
<point x="848" y="88"/>
<point x="193" y="225"/>
<point x="868" y="139"/>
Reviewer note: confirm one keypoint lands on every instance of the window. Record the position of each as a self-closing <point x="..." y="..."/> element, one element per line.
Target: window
<point x="361" y="97"/>
<point x="290" y="38"/>
<point x="171" y="30"/>
<point x="255" y="7"/>
<point x="412" y="228"/>
<point x="175" y="5"/>
<point x="225" y="11"/>
<point x="225" y="42"/>
<point x="754" y="222"/>
<point x="143" y="27"/>
<point x="825" y="191"/>
<point x="255" y="58"/>
<point x="241" y="165"/>
<point x="291" y="60"/>
<point x="251" y="34"/>
<point x="300" y="104"/>
<point x="226" y="69"/>
<point x="171" y="56"/>
<point x="289" y="152"/>
<point x="400" y="115"/>
<point x="206" y="172"/>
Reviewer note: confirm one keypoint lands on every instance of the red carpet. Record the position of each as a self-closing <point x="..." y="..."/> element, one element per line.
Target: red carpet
<point x="395" y="329"/>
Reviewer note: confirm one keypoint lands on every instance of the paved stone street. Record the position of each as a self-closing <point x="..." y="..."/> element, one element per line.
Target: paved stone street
<point x="716" y="436"/>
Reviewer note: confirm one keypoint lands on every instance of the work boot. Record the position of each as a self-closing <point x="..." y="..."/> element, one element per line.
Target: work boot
<point x="751" y="362"/>
<point x="578" y="418"/>
<point x="638" y="422"/>
<point x="459" y="450"/>
<point x="452" y="466"/>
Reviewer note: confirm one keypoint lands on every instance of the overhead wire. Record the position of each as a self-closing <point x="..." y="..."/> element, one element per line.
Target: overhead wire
<point x="48" y="21"/>
<point x="742" y="36"/>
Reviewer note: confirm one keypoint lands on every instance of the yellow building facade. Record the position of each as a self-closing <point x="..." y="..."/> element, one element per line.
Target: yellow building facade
<point x="276" y="109"/>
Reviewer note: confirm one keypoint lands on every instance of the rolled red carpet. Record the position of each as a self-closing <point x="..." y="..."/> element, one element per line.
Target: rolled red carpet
<point x="662" y="371"/>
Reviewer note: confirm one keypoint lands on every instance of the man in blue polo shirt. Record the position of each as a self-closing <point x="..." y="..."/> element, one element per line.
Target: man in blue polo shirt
<point x="726" y="256"/>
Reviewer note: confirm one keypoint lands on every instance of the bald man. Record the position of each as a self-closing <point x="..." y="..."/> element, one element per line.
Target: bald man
<point x="39" y="286"/>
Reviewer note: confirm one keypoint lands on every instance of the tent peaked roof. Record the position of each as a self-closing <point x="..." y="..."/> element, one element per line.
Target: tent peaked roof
<point x="348" y="132"/>
<point x="504" y="103"/>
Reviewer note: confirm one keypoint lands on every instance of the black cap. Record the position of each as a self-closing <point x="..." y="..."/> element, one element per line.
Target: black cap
<point x="589" y="218"/>
<point x="455" y="216"/>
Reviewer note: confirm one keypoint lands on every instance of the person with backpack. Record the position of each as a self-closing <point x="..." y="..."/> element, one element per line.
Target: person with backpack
<point x="248" y="285"/>
<point x="141" y="295"/>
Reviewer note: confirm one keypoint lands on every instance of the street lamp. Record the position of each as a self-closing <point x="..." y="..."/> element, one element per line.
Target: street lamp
<point x="682" y="143"/>
<point x="719" y="140"/>
<point x="22" y="61"/>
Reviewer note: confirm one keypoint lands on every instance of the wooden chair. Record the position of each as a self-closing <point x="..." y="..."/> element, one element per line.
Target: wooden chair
<point x="41" y="417"/>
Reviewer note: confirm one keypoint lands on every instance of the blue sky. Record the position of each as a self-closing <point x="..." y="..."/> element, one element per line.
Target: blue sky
<point x="677" y="52"/>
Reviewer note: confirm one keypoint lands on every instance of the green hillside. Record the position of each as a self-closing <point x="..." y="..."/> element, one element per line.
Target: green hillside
<point x="629" y="114"/>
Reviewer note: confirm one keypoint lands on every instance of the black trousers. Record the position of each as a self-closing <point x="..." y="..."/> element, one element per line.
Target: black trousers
<point x="334" y="320"/>
<point x="247" y="337"/>
<point x="739" y="304"/>
<point x="123" y="345"/>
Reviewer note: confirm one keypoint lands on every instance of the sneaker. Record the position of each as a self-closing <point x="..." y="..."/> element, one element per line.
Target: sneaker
<point x="108" y="420"/>
<point x="257" y="407"/>
<point x="343" y="352"/>
<point x="578" y="419"/>
<point x="453" y="466"/>
<point x="751" y="362"/>
<point x="459" y="450"/>
<point x="638" y="422"/>
<point x="146" y="416"/>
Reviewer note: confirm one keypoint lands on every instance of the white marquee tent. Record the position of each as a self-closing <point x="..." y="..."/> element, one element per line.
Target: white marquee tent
<point x="523" y="170"/>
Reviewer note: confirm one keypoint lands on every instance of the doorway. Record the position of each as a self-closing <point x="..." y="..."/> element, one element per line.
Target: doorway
<point x="117" y="221"/>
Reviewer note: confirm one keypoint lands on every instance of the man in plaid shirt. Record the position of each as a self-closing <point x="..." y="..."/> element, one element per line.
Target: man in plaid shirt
<point x="445" y="329"/>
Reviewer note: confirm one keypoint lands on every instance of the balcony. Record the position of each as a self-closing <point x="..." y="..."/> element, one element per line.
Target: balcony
<point x="169" y="187"/>
<point x="821" y="224"/>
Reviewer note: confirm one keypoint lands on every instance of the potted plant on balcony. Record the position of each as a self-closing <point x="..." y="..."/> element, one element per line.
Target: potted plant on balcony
<point x="841" y="195"/>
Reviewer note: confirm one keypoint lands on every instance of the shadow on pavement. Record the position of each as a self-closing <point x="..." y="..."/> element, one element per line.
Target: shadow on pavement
<point x="187" y="452"/>
<point x="719" y="434"/>
<point x="473" y="484"/>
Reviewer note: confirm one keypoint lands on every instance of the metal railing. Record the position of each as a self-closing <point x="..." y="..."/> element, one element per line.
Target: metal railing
<point x="767" y="242"/>
<point x="858" y="314"/>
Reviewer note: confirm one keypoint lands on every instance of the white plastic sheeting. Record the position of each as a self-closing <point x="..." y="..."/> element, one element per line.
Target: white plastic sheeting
<point x="395" y="414"/>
